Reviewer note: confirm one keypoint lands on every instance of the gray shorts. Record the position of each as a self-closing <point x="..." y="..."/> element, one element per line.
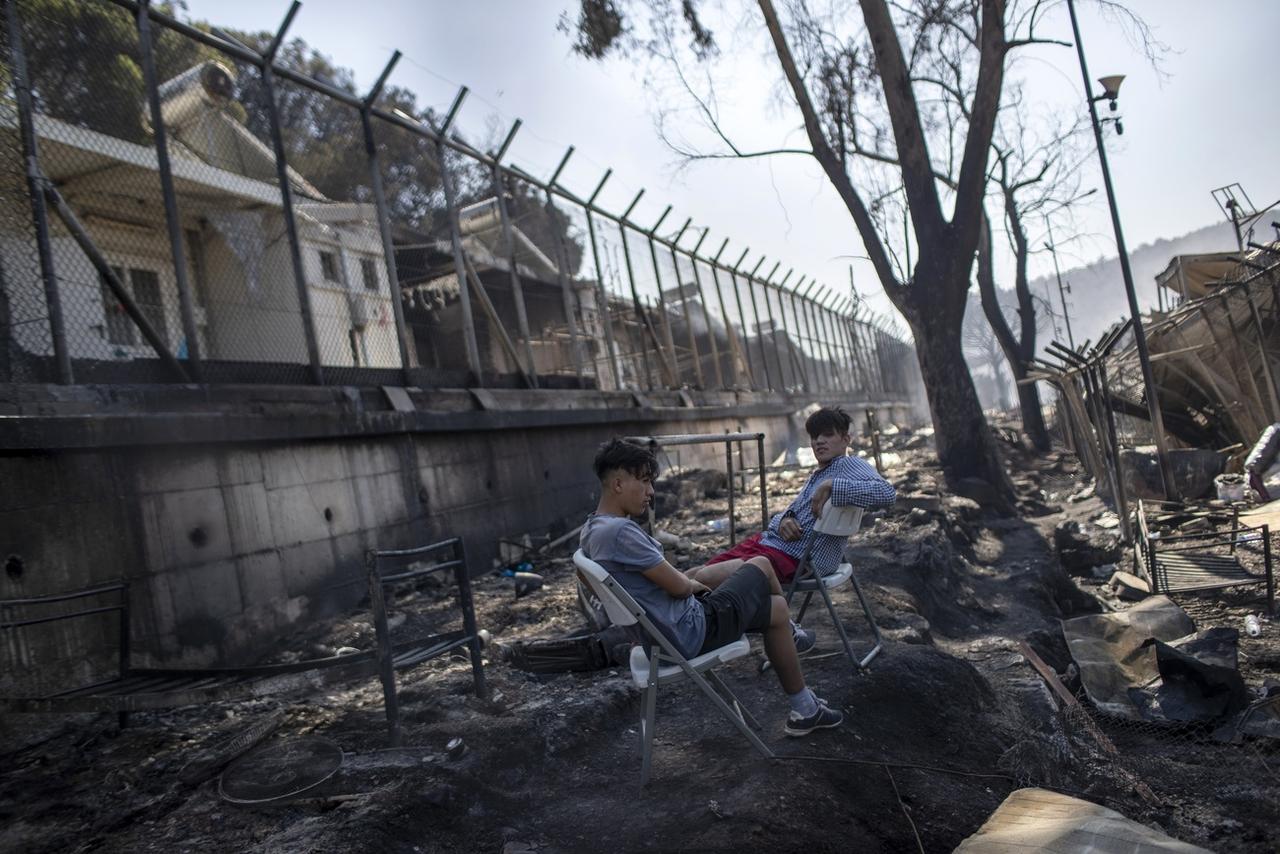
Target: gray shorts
<point x="741" y="604"/>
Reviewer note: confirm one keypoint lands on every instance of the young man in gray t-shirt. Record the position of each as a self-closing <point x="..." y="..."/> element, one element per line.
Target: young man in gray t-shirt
<point x="692" y="616"/>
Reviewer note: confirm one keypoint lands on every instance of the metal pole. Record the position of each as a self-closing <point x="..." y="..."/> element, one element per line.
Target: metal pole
<point x="811" y="379"/>
<point x="35" y="188"/>
<point x="706" y="315"/>
<point x="563" y="273"/>
<point x="764" y="487"/>
<point x="804" y="332"/>
<point x="172" y="218"/>
<point x="773" y="325"/>
<point x="673" y="362"/>
<point x="286" y="200"/>
<point x="1139" y="336"/>
<point x="642" y="316"/>
<point x="823" y="365"/>
<point x="843" y="363"/>
<point x="733" y="518"/>
<point x="755" y="310"/>
<point x="455" y="239"/>
<point x="739" y="345"/>
<point x="508" y="238"/>
<point x="602" y="293"/>
<point x="100" y="263"/>
<point x="828" y="341"/>
<point x="684" y="306"/>
<point x="382" y="637"/>
<point x="822" y="360"/>
<point x="384" y="221"/>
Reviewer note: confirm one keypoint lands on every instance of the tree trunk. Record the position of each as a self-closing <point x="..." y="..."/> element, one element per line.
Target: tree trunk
<point x="1016" y="352"/>
<point x="966" y="446"/>
<point x="1032" y="415"/>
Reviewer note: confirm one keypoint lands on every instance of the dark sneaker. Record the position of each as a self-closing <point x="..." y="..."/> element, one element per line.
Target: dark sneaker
<point x="805" y="639"/>
<point x="824" y="718"/>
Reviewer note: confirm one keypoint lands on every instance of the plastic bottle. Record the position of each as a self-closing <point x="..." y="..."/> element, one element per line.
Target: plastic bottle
<point x="1252" y="627"/>
<point x="717" y="526"/>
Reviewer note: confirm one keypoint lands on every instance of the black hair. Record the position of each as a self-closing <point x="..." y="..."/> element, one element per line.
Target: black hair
<point x="827" y="419"/>
<point x="635" y="459"/>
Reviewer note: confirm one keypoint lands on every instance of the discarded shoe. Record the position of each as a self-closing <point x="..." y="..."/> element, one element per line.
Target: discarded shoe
<point x="824" y="718"/>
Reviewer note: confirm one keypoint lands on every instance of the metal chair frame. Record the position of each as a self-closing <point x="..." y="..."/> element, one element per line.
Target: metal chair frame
<point x="658" y="662"/>
<point x="841" y="522"/>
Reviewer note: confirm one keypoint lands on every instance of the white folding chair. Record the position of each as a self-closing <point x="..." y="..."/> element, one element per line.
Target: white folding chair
<point x="671" y="665"/>
<point x="841" y="522"/>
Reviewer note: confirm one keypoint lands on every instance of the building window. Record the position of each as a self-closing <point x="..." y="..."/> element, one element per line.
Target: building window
<point x="329" y="267"/>
<point x="195" y="254"/>
<point x="145" y="288"/>
<point x="369" y="272"/>
<point x="119" y="326"/>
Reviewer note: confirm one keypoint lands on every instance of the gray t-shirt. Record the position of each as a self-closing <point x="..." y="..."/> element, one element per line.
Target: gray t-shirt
<point x="626" y="551"/>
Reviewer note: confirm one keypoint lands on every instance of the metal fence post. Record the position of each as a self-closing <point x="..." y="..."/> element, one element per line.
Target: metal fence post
<point x="684" y="305"/>
<point x="822" y="336"/>
<point x="826" y="335"/>
<point x="172" y="218"/>
<point x="455" y="240"/>
<point x="803" y="324"/>
<point x="706" y="315"/>
<point x="602" y="292"/>
<point x="669" y="351"/>
<point x="382" y="634"/>
<point x="563" y="272"/>
<point x="755" y="311"/>
<point x="384" y="220"/>
<point x="286" y="198"/>
<point x="35" y="188"/>
<point x="742" y="317"/>
<point x="647" y="330"/>
<point x="508" y="238"/>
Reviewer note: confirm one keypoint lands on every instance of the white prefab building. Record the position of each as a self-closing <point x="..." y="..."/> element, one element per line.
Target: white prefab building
<point x="245" y="296"/>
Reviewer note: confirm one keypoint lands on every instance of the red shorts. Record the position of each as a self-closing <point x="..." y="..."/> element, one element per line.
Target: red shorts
<point x="784" y="565"/>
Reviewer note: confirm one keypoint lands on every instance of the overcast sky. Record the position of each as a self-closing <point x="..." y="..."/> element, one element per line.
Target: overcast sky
<point x="1211" y="121"/>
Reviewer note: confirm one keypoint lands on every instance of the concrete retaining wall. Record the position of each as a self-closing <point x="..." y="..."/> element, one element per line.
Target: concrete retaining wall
<point x="229" y="545"/>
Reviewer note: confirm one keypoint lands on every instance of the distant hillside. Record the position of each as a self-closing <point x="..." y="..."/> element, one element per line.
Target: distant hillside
<point x="1097" y="298"/>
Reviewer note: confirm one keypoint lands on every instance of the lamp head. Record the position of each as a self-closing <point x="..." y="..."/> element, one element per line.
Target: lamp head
<point x="1111" y="86"/>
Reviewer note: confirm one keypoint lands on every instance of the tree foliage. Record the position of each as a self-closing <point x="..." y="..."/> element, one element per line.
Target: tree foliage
<point x="85" y="68"/>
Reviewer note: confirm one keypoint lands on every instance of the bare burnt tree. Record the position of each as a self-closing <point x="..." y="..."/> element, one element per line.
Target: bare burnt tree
<point x="1035" y="174"/>
<point x="870" y="81"/>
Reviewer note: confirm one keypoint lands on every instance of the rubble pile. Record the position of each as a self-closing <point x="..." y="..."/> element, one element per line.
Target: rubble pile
<point x="952" y="710"/>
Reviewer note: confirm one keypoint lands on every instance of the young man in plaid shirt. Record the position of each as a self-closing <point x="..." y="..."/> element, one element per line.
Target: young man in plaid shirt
<point x="845" y="480"/>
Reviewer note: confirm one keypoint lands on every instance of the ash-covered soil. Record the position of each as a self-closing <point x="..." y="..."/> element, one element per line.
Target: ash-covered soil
<point x="943" y="725"/>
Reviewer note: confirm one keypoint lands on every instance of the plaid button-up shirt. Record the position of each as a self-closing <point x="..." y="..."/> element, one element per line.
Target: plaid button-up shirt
<point x="853" y="483"/>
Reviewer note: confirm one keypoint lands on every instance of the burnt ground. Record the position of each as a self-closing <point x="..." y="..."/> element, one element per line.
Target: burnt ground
<point x="941" y="728"/>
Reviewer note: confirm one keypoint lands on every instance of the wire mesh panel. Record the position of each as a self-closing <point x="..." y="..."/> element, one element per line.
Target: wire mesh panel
<point x="215" y="216"/>
<point x="586" y="292"/>
<point x="423" y="249"/>
<point x="727" y="366"/>
<point x="93" y="134"/>
<point x="637" y="357"/>
<point x="26" y="342"/>
<point x="343" y="264"/>
<point x="545" y="251"/>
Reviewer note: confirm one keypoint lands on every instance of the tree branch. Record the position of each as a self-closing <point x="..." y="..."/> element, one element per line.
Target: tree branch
<point x="830" y="162"/>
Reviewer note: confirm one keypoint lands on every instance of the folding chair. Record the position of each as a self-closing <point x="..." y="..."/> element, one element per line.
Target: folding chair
<point x="841" y="522"/>
<point x="671" y="665"/>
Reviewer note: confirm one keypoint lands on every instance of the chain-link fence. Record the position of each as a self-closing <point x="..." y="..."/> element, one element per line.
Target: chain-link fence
<point x="223" y="207"/>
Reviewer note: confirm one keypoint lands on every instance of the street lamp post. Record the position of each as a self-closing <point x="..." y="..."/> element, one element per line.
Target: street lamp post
<point x="1111" y="86"/>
